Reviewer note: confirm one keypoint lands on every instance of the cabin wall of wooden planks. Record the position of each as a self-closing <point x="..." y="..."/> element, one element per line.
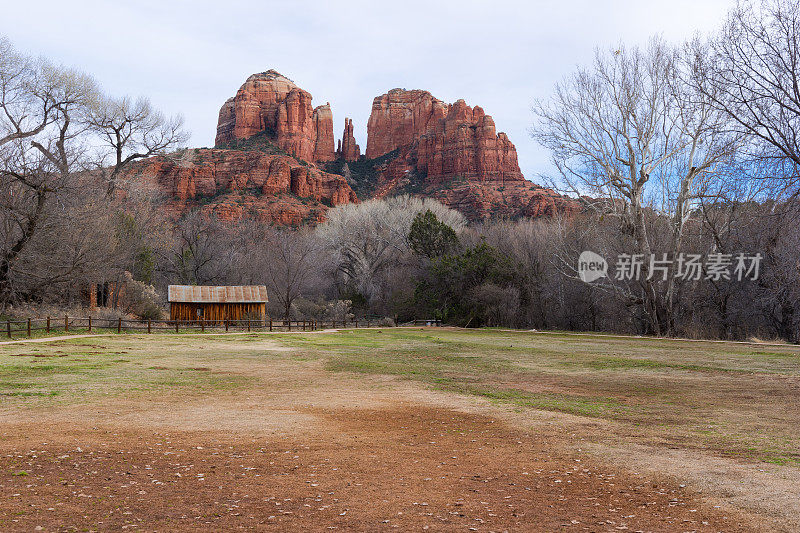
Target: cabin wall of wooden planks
<point x="217" y="312"/>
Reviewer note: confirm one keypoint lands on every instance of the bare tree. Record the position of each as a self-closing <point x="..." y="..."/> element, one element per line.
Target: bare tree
<point x="35" y="167"/>
<point x="751" y="71"/>
<point x="369" y="242"/>
<point x="30" y="92"/>
<point x="628" y="132"/>
<point x="53" y="124"/>
<point x="288" y="263"/>
<point x="133" y="130"/>
<point x="201" y="252"/>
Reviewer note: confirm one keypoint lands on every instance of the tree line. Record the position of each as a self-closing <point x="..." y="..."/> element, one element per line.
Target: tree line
<point x="690" y="147"/>
<point x="677" y="152"/>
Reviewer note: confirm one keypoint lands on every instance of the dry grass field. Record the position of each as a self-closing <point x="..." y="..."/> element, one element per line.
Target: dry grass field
<point x="398" y="430"/>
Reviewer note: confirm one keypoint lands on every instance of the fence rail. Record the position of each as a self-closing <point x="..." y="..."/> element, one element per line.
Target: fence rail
<point x="122" y="325"/>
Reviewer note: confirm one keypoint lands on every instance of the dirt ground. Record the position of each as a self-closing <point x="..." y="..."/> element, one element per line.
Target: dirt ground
<point x="403" y="468"/>
<point x="300" y="448"/>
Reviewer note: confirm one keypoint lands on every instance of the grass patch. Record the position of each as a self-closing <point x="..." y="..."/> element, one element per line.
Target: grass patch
<point x="618" y="363"/>
<point x="662" y="389"/>
<point x="572" y="404"/>
<point x="721" y="397"/>
<point x="29" y="394"/>
<point x="79" y="369"/>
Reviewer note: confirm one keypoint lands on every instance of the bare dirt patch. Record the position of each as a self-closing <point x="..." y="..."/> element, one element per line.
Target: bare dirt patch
<point x="407" y="468"/>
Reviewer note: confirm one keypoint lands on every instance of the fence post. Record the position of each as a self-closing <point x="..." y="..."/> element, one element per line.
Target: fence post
<point x="270" y="324"/>
<point x="48" y="324"/>
<point x="176" y="325"/>
<point x="29" y="327"/>
<point x="66" y="323"/>
<point x="119" y="325"/>
<point x="202" y="325"/>
<point x="8" y="328"/>
<point x="226" y="325"/>
<point x="149" y="329"/>
<point x="90" y="323"/>
<point x="248" y="325"/>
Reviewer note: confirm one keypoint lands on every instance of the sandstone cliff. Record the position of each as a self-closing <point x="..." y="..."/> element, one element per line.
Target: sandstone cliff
<point x="272" y="145"/>
<point x="269" y="102"/>
<point x="452" y="152"/>
<point x="234" y="184"/>
<point x="399" y="117"/>
<point x="443" y="140"/>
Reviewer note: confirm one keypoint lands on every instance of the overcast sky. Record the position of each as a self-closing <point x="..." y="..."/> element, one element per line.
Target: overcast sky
<point x="190" y="56"/>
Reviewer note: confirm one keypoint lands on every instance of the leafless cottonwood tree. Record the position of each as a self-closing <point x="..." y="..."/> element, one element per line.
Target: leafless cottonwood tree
<point x="626" y="131"/>
<point x="29" y="94"/>
<point x="201" y="251"/>
<point x="52" y="123"/>
<point x="43" y="122"/>
<point x="751" y="72"/>
<point x="132" y="130"/>
<point x="287" y="263"/>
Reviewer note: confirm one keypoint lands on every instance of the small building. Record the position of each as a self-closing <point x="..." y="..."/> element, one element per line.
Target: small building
<point x="216" y="304"/>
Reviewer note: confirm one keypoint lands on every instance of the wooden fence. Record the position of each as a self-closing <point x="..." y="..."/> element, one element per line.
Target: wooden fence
<point x="89" y="324"/>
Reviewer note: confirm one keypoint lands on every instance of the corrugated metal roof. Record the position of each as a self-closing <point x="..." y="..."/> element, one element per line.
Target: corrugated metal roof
<point x="209" y="294"/>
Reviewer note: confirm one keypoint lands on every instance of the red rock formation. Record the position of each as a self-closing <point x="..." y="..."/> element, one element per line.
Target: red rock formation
<point x="450" y="152"/>
<point x="348" y="149"/>
<point x="483" y="200"/>
<point x="445" y="141"/>
<point x="399" y="117"/>
<point x="273" y="103"/>
<point x="453" y="153"/>
<point x="234" y="183"/>
<point x="465" y="144"/>
<point x="479" y="200"/>
<point x="323" y="125"/>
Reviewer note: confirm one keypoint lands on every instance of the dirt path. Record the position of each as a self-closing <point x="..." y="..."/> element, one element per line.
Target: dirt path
<point x="88" y="336"/>
<point x="51" y="339"/>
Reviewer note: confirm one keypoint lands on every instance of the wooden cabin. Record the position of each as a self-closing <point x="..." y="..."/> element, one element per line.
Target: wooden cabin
<point x="216" y="304"/>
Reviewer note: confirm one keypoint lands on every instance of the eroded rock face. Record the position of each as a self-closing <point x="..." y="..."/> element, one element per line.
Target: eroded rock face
<point x="443" y="140"/>
<point x="416" y="144"/>
<point x="270" y="102"/>
<point x="348" y="149"/>
<point x="399" y="117"/>
<point x="234" y="184"/>
<point x="465" y="144"/>
<point x="484" y="200"/>
<point x="323" y="126"/>
<point x="452" y="152"/>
